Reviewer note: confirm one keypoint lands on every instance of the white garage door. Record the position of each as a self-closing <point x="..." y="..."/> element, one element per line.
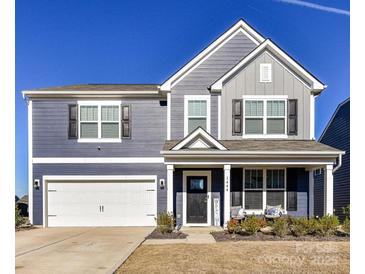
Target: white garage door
<point x="111" y="203"/>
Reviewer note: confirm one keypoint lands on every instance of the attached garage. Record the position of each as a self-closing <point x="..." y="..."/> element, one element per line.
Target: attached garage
<point x="99" y="201"/>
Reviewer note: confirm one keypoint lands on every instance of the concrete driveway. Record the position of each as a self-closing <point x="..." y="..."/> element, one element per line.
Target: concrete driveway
<point x="76" y="250"/>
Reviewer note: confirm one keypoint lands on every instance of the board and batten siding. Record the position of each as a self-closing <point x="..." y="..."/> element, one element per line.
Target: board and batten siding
<point x="247" y="82"/>
<point x="198" y="81"/>
<point x="50" y="131"/>
<point x="40" y="170"/>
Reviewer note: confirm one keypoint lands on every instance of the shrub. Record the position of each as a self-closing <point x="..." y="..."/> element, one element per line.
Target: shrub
<point x="299" y="226"/>
<point x="251" y="225"/>
<point x="346" y="225"/>
<point x="327" y="225"/>
<point x="312" y="226"/>
<point x="19" y="220"/>
<point x="280" y="227"/>
<point x="165" y="222"/>
<point x="233" y="226"/>
<point x="346" y="211"/>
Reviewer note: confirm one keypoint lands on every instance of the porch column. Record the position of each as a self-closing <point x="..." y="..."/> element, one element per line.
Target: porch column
<point x="170" y="188"/>
<point x="227" y="194"/>
<point x="328" y="190"/>
<point x="311" y="193"/>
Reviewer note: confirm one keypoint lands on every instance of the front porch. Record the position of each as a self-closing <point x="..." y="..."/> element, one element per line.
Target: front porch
<point x="202" y="195"/>
<point x="207" y="177"/>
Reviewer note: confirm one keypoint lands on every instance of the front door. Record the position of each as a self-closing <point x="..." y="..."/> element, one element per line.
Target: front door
<point x="196" y="200"/>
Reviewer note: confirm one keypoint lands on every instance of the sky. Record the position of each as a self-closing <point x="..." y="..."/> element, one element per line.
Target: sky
<point x="63" y="42"/>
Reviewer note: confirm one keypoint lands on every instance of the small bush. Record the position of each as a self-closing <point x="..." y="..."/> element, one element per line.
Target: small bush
<point x="19" y="220"/>
<point x="234" y="226"/>
<point x="251" y="225"/>
<point x="327" y="225"/>
<point x="312" y="226"/>
<point x="299" y="226"/>
<point x="346" y="225"/>
<point x="280" y="227"/>
<point x="165" y="222"/>
<point x="346" y="211"/>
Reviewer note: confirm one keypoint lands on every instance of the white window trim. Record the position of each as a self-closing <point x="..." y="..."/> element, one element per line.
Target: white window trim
<point x="188" y="98"/>
<point x="265" y="98"/>
<point x="264" y="190"/>
<point x="262" y="66"/>
<point x="99" y="104"/>
<point x="208" y="174"/>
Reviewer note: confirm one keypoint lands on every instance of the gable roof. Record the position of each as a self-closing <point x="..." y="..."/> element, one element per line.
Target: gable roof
<point x="199" y="134"/>
<point x="333" y="117"/>
<point x="315" y="84"/>
<point x="240" y="26"/>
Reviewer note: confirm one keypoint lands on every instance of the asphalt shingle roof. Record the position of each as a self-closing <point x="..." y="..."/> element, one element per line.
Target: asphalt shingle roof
<point x="102" y="87"/>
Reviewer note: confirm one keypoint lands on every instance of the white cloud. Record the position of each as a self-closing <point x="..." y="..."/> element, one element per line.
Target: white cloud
<point x="315" y="6"/>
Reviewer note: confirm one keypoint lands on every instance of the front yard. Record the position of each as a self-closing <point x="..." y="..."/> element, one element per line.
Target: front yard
<point x="241" y="257"/>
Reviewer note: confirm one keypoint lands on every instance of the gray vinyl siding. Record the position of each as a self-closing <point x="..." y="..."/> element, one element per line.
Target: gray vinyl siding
<point x="50" y="131"/>
<point x="247" y="82"/>
<point x="40" y="170"/>
<point x="197" y="81"/>
<point x="337" y="135"/>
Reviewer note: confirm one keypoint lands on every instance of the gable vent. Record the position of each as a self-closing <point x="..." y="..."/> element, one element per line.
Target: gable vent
<point x="265" y="73"/>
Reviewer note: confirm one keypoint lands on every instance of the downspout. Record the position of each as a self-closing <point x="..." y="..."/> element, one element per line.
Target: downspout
<point x="339" y="163"/>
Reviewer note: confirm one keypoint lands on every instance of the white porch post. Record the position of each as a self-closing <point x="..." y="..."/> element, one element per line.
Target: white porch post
<point x="311" y="193"/>
<point x="227" y="194"/>
<point x="170" y="188"/>
<point x="328" y="190"/>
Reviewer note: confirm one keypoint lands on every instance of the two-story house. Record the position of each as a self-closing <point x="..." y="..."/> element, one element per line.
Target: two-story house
<point x="232" y="127"/>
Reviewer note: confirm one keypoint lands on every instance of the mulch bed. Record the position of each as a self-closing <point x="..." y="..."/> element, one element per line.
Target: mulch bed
<point x="173" y="235"/>
<point x="223" y="236"/>
<point x="23" y="228"/>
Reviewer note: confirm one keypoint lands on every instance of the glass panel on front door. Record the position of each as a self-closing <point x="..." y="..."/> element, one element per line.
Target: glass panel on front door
<point x="197" y="197"/>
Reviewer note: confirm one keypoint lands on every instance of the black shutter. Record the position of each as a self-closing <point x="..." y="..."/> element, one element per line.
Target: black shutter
<point x="292" y="117"/>
<point x="236" y="117"/>
<point x="72" y="121"/>
<point x="291" y="189"/>
<point x="126" y="122"/>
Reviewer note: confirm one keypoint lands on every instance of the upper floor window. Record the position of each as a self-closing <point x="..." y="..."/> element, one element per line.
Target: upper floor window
<point x="265" y="116"/>
<point x="265" y="73"/>
<point x="197" y="113"/>
<point x="99" y="121"/>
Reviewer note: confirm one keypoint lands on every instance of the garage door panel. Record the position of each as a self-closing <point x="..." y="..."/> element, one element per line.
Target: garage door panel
<point x="124" y="203"/>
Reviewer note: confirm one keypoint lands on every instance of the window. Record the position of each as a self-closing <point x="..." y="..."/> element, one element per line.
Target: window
<point x="265" y="73"/>
<point x="197" y="110"/>
<point x="99" y="121"/>
<point x="253" y="188"/>
<point x="265" y="117"/>
<point x="264" y="187"/>
<point x="275" y="187"/>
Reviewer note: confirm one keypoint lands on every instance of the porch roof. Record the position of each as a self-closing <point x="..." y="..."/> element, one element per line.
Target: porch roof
<point x="264" y="145"/>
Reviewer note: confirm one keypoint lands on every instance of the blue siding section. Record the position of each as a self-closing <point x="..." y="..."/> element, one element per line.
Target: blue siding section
<point x="50" y="131"/>
<point x="39" y="170"/>
<point x="337" y="135"/>
<point x="197" y="81"/>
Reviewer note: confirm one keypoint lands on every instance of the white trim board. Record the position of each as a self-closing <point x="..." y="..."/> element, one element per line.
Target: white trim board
<point x="208" y="174"/>
<point x="240" y="26"/>
<point x="91" y="160"/>
<point x="30" y="164"/>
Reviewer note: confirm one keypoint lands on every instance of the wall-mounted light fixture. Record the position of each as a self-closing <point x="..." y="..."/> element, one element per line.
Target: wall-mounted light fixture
<point x="162" y="183"/>
<point x="37" y="184"/>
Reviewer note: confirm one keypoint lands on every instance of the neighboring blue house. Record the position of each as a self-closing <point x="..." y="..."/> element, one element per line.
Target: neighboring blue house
<point x="336" y="134"/>
<point x="232" y="127"/>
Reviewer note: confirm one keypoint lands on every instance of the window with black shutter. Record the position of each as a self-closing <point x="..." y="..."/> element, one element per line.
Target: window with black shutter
<point x="126" y="122"/>
<point x="72" y="121"/>
<point x="292" y="117"/>
<point x="236" y="117"/>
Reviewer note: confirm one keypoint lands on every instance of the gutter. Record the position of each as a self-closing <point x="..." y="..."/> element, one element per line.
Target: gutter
<point x="339" y="163"/>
